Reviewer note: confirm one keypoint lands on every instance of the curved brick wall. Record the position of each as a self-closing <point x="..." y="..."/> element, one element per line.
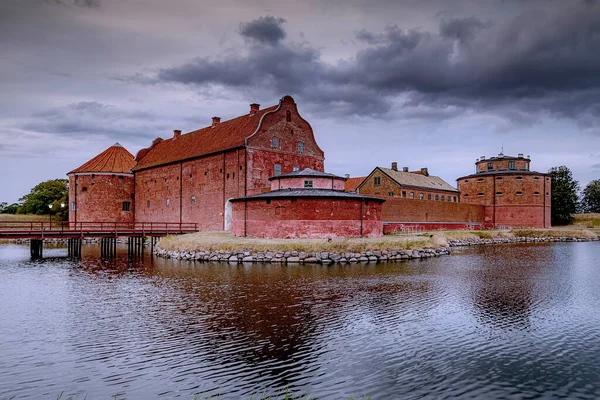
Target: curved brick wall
<point x="307" y="217"/>
<point x="100" y="197"/>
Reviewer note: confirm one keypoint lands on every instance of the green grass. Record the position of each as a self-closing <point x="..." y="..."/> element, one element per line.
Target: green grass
<point x="591" y="220"/>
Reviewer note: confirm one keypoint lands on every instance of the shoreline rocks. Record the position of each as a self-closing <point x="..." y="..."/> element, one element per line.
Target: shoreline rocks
<point x="295" y="257"/>
<point x="510" y="240"/>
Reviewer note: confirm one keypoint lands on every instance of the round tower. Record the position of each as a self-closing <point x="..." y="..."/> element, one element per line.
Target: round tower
<point x="512" y="194"/>
<point x="102" y="189"/>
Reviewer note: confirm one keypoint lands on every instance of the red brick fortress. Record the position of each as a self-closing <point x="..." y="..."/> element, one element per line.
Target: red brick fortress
<point x="512" y="195"/>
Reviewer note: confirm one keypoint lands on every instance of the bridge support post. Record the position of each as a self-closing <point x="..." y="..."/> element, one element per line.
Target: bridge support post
<point x="108" y="248"/>
<point x="74" y="247"/>
<point x="135" y="248"/>
<point x="37" y="248"/>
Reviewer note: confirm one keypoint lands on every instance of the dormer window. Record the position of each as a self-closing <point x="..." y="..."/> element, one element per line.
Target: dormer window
<point x="275" y="143"/>
<point x="490" y="166"/>
<point x="308" y="184"/>
<point x="511" y="165"/>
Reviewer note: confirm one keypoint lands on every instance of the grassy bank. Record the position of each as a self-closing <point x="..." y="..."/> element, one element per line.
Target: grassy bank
<point x="213" y="241"/>
<point x="24" y="217"/>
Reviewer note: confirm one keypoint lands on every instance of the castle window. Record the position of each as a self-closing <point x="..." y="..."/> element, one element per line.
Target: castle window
<point x="377" y="181"/>
<point x="193" y="199"/>
<point x="295" y="168"/>
<point x="537" y="178"/>
<point x="391" y="194"/>
<point x="205" y="173"/>
<point x="84" y="189"/>
<point x="308" y="184"/>
<point x="455" y="199"/>
<point x="429" y="196"/>
<point x="228" y="175"/>
<point x="499" y="178"/>
<point x="466" y="181"/>
<point x="421" y="196"/>
<point x="480" y="180"/>
<point x="220" y="170"/>
<point x="121" y="177"/>
<point x="490" y="166"/>
<point x="268" y="201"/>
<point x="300" y="147"/>
<point x="498" y="193"/>
<point x="547" y="194"/>
<point x="411" y="195"/>
<point x="519" y="193"/>
<point x="277" y="169"/>
<point x="93" y="176"/>
<point x="443" y="197"/>
<point x="466" y="196"/>
<point x="403" y="194"/>
<point x="73" y="206"/>
<point x="275" y="143"/>
<point x="240" y="167"/>
<point x="437" y="196"/>
<point x="148" y="204"/>
<point x="519" y="178"/>
<point x="479" y="194"/>
<point x="155" y="181"/>
<point x="527" y="166"/>
<point x="536" y="193"/>
<point x="511" y="165"/>
<point x="168" y="201"/>
<point x="126" y="206"/>
<point x="233" y="174"/>
<point x="288" y="116"/>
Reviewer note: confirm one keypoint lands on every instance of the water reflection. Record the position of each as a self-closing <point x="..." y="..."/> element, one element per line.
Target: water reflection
<point x="498" y="321"/>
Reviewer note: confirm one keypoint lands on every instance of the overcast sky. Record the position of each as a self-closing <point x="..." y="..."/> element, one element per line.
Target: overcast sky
<point x="432" y="84"/>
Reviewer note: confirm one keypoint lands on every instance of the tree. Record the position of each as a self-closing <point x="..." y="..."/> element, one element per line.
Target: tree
<point x="591" y="197"/>
<point x="6" y="208"/>
<point x="564" y="195"/>
<point x="42" y="195"/>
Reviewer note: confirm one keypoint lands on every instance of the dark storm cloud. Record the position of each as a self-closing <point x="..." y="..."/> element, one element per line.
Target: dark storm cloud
<point x="81" y="3"/>
<point x="544" y="59"/>
<point x="264" y="30"/>
<point x="95" y="118"/>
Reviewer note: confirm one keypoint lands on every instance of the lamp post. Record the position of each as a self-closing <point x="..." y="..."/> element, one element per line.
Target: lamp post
<point x="50" y="215"/>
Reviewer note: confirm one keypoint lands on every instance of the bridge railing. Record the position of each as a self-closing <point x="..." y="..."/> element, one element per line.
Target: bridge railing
<point x="60" y="226"/>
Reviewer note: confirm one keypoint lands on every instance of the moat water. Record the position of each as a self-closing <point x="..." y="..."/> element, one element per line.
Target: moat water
<point x="505" y="321"/>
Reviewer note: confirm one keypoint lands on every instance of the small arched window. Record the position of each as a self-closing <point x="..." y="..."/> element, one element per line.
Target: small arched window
<point x="288" y="116"/>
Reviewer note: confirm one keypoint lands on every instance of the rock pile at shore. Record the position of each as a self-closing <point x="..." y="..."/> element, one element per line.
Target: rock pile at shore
<point x="291" y="257"/>
<point x="505" y="240"/>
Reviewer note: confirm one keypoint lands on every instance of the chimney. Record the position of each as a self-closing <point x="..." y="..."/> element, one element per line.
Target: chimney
<point x="395" y="166"/>
<point x="176" y="133"/>
<point x="482" y="158"/>
<point x="254" y="108"/>
<point x="424" y="171"/>
<point x="520" y="155"/>
<point x="404" y="169"/>
<point x="216" y="121"/>
<point x="347" y="176"/>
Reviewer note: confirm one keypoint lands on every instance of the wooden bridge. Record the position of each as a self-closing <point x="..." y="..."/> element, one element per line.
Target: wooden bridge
<point x="108" y="232"/>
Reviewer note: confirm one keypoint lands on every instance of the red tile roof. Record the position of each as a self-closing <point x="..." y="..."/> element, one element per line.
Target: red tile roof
<point x="115" y="159"/>
<point x="212" y="139"/>
<point x="352" y="183"/>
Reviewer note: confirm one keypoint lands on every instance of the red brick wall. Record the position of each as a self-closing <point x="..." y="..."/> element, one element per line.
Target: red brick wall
<point x="297" y="182"/>
<point x="413" y="210"/>
<point x="100" y="197"/>
<point x="526" y="209"/>
<point x="302" y="217"/>
<point x="500" y="164"/>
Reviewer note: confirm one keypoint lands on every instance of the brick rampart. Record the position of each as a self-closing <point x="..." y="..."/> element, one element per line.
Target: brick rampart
<point x="414" y="210"/>
<point x="310" y="218"/>
<point x="99" y="197"/>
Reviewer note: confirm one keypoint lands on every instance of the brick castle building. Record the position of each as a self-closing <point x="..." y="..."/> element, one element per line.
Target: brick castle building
<point x="511" y="194"/>
<point x="249" y="175"/>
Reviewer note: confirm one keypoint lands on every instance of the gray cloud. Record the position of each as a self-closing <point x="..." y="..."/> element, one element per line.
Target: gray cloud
<point x="545" y="60"/>
<point x="264" y="30"/>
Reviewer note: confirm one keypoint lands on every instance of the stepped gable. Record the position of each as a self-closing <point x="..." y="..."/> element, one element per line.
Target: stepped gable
<point x="219" y="137"/>
<point x="115" y="159"/>
<point x="418" y="180"/>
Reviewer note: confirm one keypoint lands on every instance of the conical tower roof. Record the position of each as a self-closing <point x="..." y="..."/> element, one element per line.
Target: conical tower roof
<point x="115" y="159"/>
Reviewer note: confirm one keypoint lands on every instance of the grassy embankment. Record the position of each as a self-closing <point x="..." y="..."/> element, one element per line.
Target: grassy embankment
<point x="24" y="217"/>
<point x="588" y="221"/>
<point x="211" y="241"/>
